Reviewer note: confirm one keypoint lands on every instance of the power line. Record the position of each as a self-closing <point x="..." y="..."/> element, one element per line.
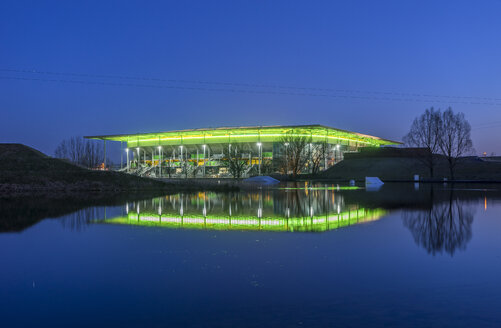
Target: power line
<point x="253" y="85"/>
<point x="248" y="91"/>
<point x="487" y="126"/>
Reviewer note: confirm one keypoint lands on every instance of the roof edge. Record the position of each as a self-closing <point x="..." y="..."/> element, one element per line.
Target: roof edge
<point x="111" y="136"/>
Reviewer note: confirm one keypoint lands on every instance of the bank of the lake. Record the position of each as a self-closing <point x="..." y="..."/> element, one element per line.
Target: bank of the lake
<point x="24" y="170"/>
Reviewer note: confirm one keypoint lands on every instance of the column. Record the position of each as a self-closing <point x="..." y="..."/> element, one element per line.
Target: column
<point x="104" y="161"/>
<point x="128" y="167"/>
<point x="260" y="155"/>
<point x="204" y="160"/>
<point x="160" y="153"/>
<point x="121" y="155"/>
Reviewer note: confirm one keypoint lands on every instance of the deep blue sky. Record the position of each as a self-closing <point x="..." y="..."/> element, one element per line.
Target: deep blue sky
<point x="445" y="48"/>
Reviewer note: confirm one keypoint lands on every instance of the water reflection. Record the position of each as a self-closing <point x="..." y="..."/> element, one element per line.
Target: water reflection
<point x="80" y="219"/>
<point x="439" y="217"/>
<point x="270" y="210"/>
<point x="445" y="226"/>
<point x="76" y="211"/>
<point x="185" y="278"/>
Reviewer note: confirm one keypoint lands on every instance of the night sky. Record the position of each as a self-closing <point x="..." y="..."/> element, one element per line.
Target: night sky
<point x="113" y="67"/>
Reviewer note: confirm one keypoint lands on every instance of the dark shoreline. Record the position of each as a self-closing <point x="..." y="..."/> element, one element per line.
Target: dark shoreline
<point x="10" y="191"/>
<point x="185" y="186"/>
<point x="398" y="181"/>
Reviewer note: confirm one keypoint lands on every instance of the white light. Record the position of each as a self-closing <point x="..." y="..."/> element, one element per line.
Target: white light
<point x="127" y="150"/>
<point x="137" y="149"/>
<point x="159" y="147"/>
<point x="259" y="144"/>
<point x="203" y="146"/>
<point x="286" y="144"/>
<point x="181" y="147"/>
<point x="337" y="146"/>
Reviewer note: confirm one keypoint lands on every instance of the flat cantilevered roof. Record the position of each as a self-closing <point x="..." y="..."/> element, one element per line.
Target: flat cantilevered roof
<point x="219" y="135"/>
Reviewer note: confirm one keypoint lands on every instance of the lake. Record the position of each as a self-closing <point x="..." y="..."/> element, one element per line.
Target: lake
<point x="296" y="255"/>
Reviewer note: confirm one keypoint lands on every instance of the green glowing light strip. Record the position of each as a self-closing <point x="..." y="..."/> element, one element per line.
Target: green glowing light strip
<point x="212" y="222"/>
<point x="245" y="135"/>
<point x="239" y="136"/>
<point x="322" y="188"/>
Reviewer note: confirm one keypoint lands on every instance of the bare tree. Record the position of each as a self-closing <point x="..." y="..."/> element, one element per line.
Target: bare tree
<point x="267" y="166"/>
<point x="185" y="167"/>
<point x="235" y="164"/>
<point x="87" y="153"/>
<point x="319" y="153"/>
<point x="297" y="152"/>
<point x="424" y="133"/>
<point x="454" y="138"/>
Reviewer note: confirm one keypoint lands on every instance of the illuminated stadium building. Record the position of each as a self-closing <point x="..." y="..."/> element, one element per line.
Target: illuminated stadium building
<point x="203" y="152"/>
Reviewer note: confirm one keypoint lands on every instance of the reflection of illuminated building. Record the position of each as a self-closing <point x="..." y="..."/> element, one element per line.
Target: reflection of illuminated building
<point x="255" y="211"/>
<point x="314" y="223"/>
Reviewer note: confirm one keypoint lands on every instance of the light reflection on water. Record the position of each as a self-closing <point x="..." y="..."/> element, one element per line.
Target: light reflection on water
<point x="439" y="217"/>
<point x="268" y="210"/>
<point x="401" y="256"/>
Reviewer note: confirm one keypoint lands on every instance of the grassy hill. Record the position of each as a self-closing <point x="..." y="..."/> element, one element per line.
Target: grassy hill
<point x="398" y="165"/>
<point x="24" y="169"/>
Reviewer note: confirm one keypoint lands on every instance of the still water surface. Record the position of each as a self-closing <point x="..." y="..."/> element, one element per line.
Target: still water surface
<point x="403" y="256"/>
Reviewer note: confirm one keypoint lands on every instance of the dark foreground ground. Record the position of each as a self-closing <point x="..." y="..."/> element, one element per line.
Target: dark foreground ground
<point x="24" y="170"/>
